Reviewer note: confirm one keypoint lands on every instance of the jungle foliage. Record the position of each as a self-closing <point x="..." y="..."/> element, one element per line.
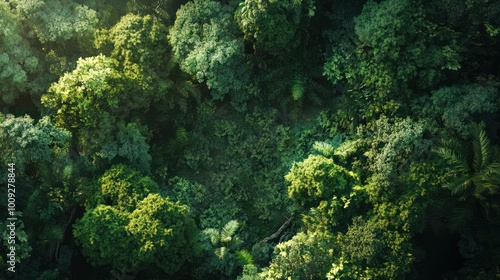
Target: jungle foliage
<point x="251" y="139"/>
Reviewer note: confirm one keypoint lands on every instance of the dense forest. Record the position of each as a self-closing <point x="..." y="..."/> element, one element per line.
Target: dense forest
<point x="250" y="139"/>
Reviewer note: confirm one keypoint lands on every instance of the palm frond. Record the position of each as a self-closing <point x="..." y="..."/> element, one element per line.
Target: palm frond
<point x="221" y="252"/>
<point x="481" y="148"/>
<point x="213" y="234"/>
<point x="227" y="232"/>
<point x="458" y="187"/>
<point x="298" y="87"/>
<point x="453" y="153"/>
<point x="323" y="148"/>
<point x="346" y="148"/>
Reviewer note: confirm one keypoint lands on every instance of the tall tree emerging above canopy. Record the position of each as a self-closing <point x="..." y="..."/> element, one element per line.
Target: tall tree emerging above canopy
<point x="140" y="45"/>
<point x="88" y="96"/>
<point x="94" y="103"/>
<point x="205" y="41"/>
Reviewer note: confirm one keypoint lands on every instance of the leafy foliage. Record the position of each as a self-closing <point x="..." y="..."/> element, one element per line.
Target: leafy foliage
<point x="457" y="106"/>
<point x="17" y="59"/>
<point x="57" y="21"/>
<point x="204" y="42"/>
<point x="148" y="227"/>
<point x="256" y="139"/>
<point x="396" y="45"/>
<point x="317" y="178"/>
<point x="477" y="167"/>
<point x="272" y="25"/>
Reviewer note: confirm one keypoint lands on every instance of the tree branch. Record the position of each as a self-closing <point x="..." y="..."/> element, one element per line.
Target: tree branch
<point x="278" y="232"/>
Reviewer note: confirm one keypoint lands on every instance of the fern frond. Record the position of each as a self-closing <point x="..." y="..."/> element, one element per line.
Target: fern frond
<point x="458" y="187"/>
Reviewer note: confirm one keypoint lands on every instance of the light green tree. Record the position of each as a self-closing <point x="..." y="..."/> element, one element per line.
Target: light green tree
<point x="93" y="103"/>
<point x="152" y="232"/>
<point x="140" y="45"/>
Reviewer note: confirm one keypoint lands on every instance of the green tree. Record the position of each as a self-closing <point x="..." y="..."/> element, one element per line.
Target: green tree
<point x="101" y="233"/>
<point x="140" y="45"/>
<point x="456" y="107"/>
<point x="205" y="41"/>
<point x="152" y="232"/>
<point x="17" y="59"/>
<point x="398" y="50"/>
<point x="27" y="143"/>
<point x="305" y="256"/>
<point x="45" y="203"/>
<point x="318" y="179"/>
<point x="88" y="96"/>
<point x="122" y="187"/>
<point x="272" y="25"/>
<point x="163" y="232"/>
<point x="57" y="21"/>
<point x="223" y="248"/>
<point x="92" y="102"/>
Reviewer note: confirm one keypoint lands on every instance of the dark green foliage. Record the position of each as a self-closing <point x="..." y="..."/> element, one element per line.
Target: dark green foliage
<point x="204" y="40"/>
<point x="256" y="139"/>
<point x="476" y="167"/>
<point x="397" y="51"/>
<point x="272" y="25"/>
<point x="17" y="59"/>
<point x="24" y="142"/>
<point x="457" y="107"/>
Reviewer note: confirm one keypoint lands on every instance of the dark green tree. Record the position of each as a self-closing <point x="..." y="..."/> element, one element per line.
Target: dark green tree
<point x="397" y="51"/>
<point x="206" y="43"/>
<point x="17" y="59"/>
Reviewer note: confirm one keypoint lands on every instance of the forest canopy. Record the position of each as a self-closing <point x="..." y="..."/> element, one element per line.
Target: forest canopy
<point x="250" y="139"/>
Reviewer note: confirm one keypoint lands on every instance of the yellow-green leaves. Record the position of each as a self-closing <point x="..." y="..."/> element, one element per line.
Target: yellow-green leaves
<point x="317" y="178"/>
<point x="140" y="228"/>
